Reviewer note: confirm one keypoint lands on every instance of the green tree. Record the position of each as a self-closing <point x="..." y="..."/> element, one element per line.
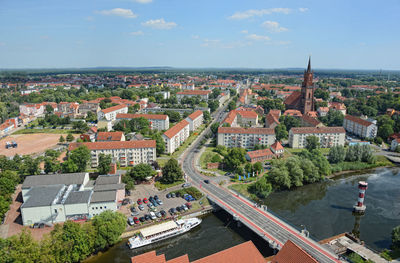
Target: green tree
<point x="312" y="142"/>
<point x="214" y="127"/>
<point x="257" y="167"/>
<point x="289" y="121"/>
<point x="173" y="116"/>
<point x="23" y="248"/>
<point x="396" y="237"/>
<point x="280" y="177"/>
<point x="80" y="126"/>
<point x="207" y="116"/>
<point x="70" y="137"/>
<point x="69" y="166"/>
<point x="108" y="227"/>
<point x="171" y="172"/>
<point x="337" y="154"/>
<point x="333" y="118"/>
<point x="231" y="105"/>
<point x="248" y="168"/>
<point x="29" y="166"/>
<point x="104" y="163"/>
<point x="213" y="105"/>
<point x="61" y="140"/>
<point x="261" y="188"/>
<point x="281" y="132"/>
<point x="51" y="165"/>
<point x="91" y="117"/>
<point x="140" y="171"/>
<point x="216" y="159"/>
<point x="160" y="144"/>
<point x="234" y="158"/>
<point x="80" y="157"/>
<point x="77" y="242"/>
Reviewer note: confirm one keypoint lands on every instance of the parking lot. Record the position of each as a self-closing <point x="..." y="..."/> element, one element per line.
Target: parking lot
<point x="145" y="191"/>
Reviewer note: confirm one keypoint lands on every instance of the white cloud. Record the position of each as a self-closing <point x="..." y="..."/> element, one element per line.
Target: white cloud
<point x="244" y="32"/>
<point x="143" y="1"/>
<point x="137" y="33"/>
<point x="195" y="36"/>
<point x="89" y="18"/>
<point x="259" y="12"/>
<point x="159" y="24"/>
<point x="303" y="9"/>
<point x="273" y="26"/>
<point x="127" y="13"/>
<point x="258" y="37"/>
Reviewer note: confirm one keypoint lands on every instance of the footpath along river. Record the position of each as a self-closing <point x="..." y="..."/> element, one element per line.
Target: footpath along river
<point x="325" y="209"/>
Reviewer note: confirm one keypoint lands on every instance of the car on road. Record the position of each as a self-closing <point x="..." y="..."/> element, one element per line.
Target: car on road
<point x="145" y="200"/>
<point x="186" y="185"/>
<point x="207" y="181"/>
<point x="141" y="207"/>
<point x="131" y="222"/>
<point x="136" y="220"/>
<point x="139" y="201"/>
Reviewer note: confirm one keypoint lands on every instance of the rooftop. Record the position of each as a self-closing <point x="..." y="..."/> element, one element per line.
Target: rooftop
<point x="194" y="92"/>
<point x="109" y="136"/>
<point x="114" y="108"/>
<point x="259" y="153"/>
<point x="114" y="145"/>
<point x="108" y="179"/>
<point x="176" y="128"/>
<point x="151" y="230"/>
<point x="195" y="115"/>
<point x="307" y="130"/>
<point x="53" y="179"/>
<point x="146" y="116"/>
<point x="78" y="197"/>
<point x="358" y="120"/>
<point x="42" y="195"/>
<point x="108" y="187"/>
<point x="291" y="253"/>
<point x="103" y="196"/>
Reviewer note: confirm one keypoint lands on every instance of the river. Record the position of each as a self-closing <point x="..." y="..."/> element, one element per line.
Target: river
<point x="325" y="209"/>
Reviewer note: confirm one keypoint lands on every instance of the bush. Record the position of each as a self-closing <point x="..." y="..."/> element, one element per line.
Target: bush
<point x="193" y="191"/>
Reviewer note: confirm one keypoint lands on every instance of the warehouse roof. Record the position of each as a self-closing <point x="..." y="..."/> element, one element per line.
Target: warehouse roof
<point x="53" y="179"/>
<point x="108" y="187"/>
<point x="42" y="195"/>
<point x="103" y="196"/>
<point x="78" y="197"/>
<point x="108" y="179"/>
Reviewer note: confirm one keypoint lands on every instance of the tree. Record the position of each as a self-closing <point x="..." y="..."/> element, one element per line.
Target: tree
<point x="289" y="121"/>
<point x="104" y="163"/>
<point x="140" y="171"/>
<point x="91" y="117"/>
<point x="216" y="159"/>
<point x="257" y="167"/>
<point x="231" y="105"/>
<point x="261" y="188"/>
<point x="213" y="105"/>
<point x="234" y="158"/>
<point x="29" y="166"/>
<point x="51" y="165"/>
<point x="108" y="227"/>
<point x="49" y="109"/>
<point x="23" y="248"/>
<point x="397" y="149"/>
<point x="333" y="118"/>
<point x="321" y="94"/>
<point x="80" y="157"/>
<point x="214" y="127"/>
<point x="396" y="238"/>
<point x="385" y="131"/>
<point x="281" y="132"/>
<point x="207" y="116"/>
<point x="69" y="166"/>
<point x="160" y="144"/>
<point x="61" y="140"/>
<point x="337" y="154"/>
<point x="279" y="176"/>
<point x="80" y="126"/>
<point x="248" y="168"/>
<point x="77" y="242"/>
<point x="312" y="142"/>
<point x="173" y="116"/>
<point x="70" y="137"/>
<point x="171" y="172"/>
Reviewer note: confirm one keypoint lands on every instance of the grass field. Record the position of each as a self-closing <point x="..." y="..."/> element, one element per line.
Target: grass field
<point x="241" y="188"/>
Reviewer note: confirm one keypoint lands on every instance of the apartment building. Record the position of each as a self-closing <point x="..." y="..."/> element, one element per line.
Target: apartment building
<point x="203" y="94"/>
<point x="245" y="138"/>
<point x="32" y="109"/>
<point x="127" y="153"/>
<point x="158" y="122"/>
<point x="110" y="136"/>
<point x="245" y="118"/>
<point x="195" y="120"/>
<point x="328" y="136"/>
<point x="176" y="135"/>
<point x="55" y="198"/>
<point x="360" y="127"/>
<point x="110" y="114"/>
<point x="87" y="106"/>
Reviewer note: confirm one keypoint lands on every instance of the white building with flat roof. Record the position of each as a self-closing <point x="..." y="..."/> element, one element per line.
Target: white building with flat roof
<point x="245" y="137"/>
<point x="328" y="136"/>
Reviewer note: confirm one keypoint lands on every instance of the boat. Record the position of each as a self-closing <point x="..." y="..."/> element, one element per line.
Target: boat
<point x="152" y="234"/>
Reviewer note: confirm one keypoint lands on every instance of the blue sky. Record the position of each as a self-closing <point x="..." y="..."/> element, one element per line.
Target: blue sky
<point x="341" y="34"/>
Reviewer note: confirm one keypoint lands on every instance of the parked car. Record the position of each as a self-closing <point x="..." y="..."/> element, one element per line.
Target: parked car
<point x="189" y="205"/>
<point x="139" y="201"/>
<point x="141" y="207"/>
<point x="163" y="213"/>
<point x="153" y="216"/>
<point x="178" y="194"/>
<point x="150" y="205"/>
<point x="159" y="201"/>
<point x="207" y="181"/>
<point x="142" y="219"/>
<point x="184" y="207"/>
<point x="134" y="211"/>
<point x="41" y="225"/>
<point x="158" y="214"/>
<point x="126" y="201"/>
<point x="145" y="200"/>
<point x="130" y="221"/>
<point x="178" y="208"/>
<point x="136" y="220"/>
<point x="156" y="197"/>
<point x="128" y="192"/>
<point x="172" y="211"/>
<point x="151" y="199"/>
<point x="168" y="195"/>
<point x="186" y="185"/>
<point x="154" y="202"/>
<point x="173" y="195"/>
<point x="147" y="217"/>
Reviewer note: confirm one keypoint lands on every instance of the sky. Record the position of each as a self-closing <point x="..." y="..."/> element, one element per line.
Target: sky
<point x="338" y="34"/>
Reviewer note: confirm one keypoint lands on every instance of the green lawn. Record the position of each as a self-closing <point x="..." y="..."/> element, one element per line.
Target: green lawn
<point x="241" y="188"/>
<point x="161" y="186"/>
<point x="162" y="161"/>
<point x="54" y="131"/>
<point x="204" y="202"/>
<point x="324" y="151"/>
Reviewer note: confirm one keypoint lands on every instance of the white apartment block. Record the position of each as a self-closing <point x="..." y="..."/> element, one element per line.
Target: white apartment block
<point x="32" y="109"/>
<point x="127" y="153"/>
<point x="203" y="94"/>
<point x="110" y="114"/>
<point x="195" y="120"/>
<point x="360" y="127"/>
<point x="328" y="136"/>
<point x="245" y="138"/>
<point x="158" y="122"/>
<point x="176" y="135"/>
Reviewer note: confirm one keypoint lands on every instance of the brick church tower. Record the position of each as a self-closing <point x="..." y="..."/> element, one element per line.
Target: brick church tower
<point x="307" y="91"/>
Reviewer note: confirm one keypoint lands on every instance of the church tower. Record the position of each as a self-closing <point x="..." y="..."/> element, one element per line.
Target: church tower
<point x="307" y="90"/>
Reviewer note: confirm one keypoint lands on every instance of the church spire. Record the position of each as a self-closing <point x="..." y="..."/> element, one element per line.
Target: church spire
<point x="309" y="65"/>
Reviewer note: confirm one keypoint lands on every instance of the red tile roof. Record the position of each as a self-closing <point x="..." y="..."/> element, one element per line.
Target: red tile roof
<point x="114" y="145"/>
<point x="306" y="130"/>
<point x="239" y="130"/>
<point x="195" y="115"/>
<point x="175" y="129"/>
<point x="247" y="114"/>
<point x="194" y="92"/>
<point x="230" y="118"/>
<point x="277" y="146"/>
<point x="114" y="108"/>
<point x="358" y="120"/>
<point x="271" y="118"/>
<point x="295" y="113"/>
<point x="242" y="253"/>
<point x="146" y="116"/>
<point x="181" y="259"/>
<point x="259" y="153"/>
<point x="149" y="257"/>
<point x="291" y="253"/>
<point x="293" y="98"/>
<point x="312" y="121"/>
<point x="110" y="136"/>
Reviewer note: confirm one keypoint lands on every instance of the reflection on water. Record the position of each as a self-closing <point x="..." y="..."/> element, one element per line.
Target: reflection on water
<point x="326" y="208"/>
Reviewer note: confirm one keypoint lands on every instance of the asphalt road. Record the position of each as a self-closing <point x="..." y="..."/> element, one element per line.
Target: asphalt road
<point x="272" y="227"/>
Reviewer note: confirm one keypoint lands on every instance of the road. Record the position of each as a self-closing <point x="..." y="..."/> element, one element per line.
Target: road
<point x="262" y="222"/>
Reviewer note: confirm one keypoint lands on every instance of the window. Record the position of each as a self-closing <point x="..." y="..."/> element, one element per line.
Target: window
<point x="55" y="211"/>
<point x="101" y="207"/>
<point x="105" y="207"/>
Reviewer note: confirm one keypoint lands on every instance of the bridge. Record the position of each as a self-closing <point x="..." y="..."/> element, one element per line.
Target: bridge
<point x="271" y="228"/>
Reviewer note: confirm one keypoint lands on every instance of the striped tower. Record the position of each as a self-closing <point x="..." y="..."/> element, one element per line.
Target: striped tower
<point x="362" y="187"/>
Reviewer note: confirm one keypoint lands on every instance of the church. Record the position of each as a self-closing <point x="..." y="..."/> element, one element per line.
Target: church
<point x="303" y="100"/>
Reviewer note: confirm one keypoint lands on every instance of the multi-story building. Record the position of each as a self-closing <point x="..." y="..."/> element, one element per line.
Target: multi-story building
<point x="245" y="138"/>
<point x="272" y="119"/>
<point x="195" y="120"/>
<point x="158" y="122"/>
<point x="87" y="106"/>
<point x="117" y="136"/>
<point x="360" y="127"/>
<point x="110" y="114"/>
<point x="32" y="109"/>
<point x="127" y="153"/>
<point x="328" y="136"/>
<point x="56" y="198"/>
<point x="245" y="118"/>
<point x="203" y="94"/>
<point x="176" y="135"/>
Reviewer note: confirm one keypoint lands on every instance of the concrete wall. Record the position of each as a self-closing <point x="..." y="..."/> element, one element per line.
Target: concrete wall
<point x="97" y="208"/>
<point x="31" y="215"/>
<point x="76" y="209"/>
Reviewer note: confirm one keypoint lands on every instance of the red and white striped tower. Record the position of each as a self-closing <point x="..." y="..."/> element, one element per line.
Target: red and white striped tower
<point x="362" y="187"/>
